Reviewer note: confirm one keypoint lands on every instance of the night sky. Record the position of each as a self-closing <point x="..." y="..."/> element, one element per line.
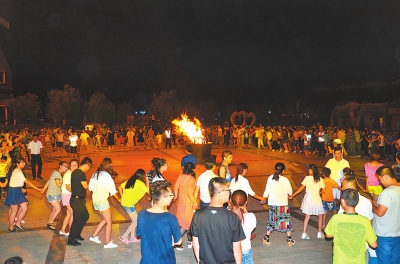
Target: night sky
<point x="247" y="52"/>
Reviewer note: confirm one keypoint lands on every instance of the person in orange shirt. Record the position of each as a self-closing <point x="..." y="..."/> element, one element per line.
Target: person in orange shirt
<point x="328" y="201"/>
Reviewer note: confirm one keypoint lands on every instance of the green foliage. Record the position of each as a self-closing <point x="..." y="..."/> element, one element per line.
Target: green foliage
<point x="24" y="108"/>
<point x="64" y="104"/>
<point x="100" y="109"/>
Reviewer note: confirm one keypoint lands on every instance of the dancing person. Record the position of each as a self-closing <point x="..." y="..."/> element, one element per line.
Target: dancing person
<point x="202" y="183"/>
<point x="224" y="170"/>
<point x="312" y="203"/>
<point x="131" y="192"/>
<point x="372" y="183"/>
<point x="66" y="196"/>
<point x="328" y="201"/>
<point x="277" y="190"/>
<point x="14" y="260"/>
<point x="4" y="167"/>
<point x="189" y="157"/>
<point x="239" y="182"/>
<point x="248" y="221"/>
<point x="350" y="231"/>
<point x="184" y="191"/>
<point x="216" y="224"/>
<point x="34" y="154"/>
<point x="53" y="186"/>
<point x="386" y="221"/>
<point x="336" y="165"/>
<point x="102" y="186"/>
<point x="15" y="196"/>
<point x="159" y="167"/>
<point x="157" y="228"/>
<point x="306" y="143"/>
<point x="73" y="145"/>
<point x="80" y="213"/>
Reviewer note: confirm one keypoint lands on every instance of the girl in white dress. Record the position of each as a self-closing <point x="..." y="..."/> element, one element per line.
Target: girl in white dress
<point x="312" y="203"/>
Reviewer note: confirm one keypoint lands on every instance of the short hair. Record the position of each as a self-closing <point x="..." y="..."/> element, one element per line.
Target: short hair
<point x="158" y="188"/>
<point x="351" y="181"/>
<point x="351" y="197"/>
<point x="375" y="155"/>
<point x="215" y="183"/>
<point x="385" y="170"/>
<point x="14" y="260"/>
<point x="86" y="160"/>
<point x="348" y="172"/>
<point x="74" y="160"/>
<point x="209" y="163"/>
<point x="226" y="153"/>
<point x="3" y="157"/>
<point x="189" y="148"/>
<point x="326" y="171"/>
<point x="337" y="149"/>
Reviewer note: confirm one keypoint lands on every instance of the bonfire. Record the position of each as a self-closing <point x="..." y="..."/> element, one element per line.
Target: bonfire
<point x="192" y="130"/>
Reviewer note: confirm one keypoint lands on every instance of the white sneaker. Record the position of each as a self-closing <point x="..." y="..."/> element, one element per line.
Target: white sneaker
<point x="63" y="234"/>
<point x="320" y="235"/>
<point x="95" y="239"/>
<point x="190" y="244"/>
<point x="305" y="236"/>
<point x="110" y="245"/>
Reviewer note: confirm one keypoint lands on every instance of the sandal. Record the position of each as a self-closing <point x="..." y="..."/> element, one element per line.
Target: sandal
<point x="290" y="242"/>
<point x="19" y="228"/>
<point x="51" y="226"/>
<point x="266" y="240"/>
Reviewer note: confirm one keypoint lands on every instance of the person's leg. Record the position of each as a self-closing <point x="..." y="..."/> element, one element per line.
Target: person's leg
<point x="56" y="210"/>
<point x="67" y="219"/>
<point x="320" y="222"/>
<point x="39" y="162"/>
<point x="80" y="216"/>
<point x="101" y="224"/>
<point x="132" y="227"/>
<point x="384" y="250"/>
<point x="23" y="209"/>
<point x="324" y="219"/>
<point x="395" y="249"/>
<point x="12" y="213"/>
<point x="33" y="166"/>
<point x="305" y="223"/>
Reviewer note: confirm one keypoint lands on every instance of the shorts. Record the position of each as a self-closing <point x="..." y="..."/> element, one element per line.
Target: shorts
<point x="72" y="149"/>
<point x="306" y="147"/>
<point x="329" y="206"/>
<point x="101" y="205"/>
<point x="59" y="144"/>
<point x="129" y="210"/>
<point x="375" y="189"/>
<point x="53" y="198"/>
<point x="296" y="142"/>
<point x="65" y="198"/>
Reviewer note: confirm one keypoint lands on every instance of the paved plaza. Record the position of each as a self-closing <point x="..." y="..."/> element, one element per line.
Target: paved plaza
<point x="40" y="245"/>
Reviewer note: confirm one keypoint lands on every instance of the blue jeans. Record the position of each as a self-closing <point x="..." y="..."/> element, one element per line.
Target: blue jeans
<point x="388" y="250"/>
<point x="247" y="257"/>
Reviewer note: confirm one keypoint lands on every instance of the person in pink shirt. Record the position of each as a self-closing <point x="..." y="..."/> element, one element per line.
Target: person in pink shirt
<point x="372" y="183"/>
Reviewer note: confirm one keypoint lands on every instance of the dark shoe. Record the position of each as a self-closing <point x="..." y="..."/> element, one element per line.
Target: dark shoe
<point x="40" y="177"/>
<point x="33" y="178"/>
<point x="79" y="238"/>
<point x="73" y="243"/>
<point x="19" y="228"/>
<point x="11" y="230"/>
<point x="51" y="226"/>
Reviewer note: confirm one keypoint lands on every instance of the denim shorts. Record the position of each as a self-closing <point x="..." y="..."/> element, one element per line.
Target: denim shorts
<point x="129" y="210"/>
<point x="101" y="205"/>
<point x="329" y="206"/>
<point x="53" y="198"/>
<point x="247" y="257"/>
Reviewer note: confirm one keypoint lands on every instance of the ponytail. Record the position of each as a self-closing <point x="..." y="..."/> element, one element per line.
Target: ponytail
<point x="279" y="168"/>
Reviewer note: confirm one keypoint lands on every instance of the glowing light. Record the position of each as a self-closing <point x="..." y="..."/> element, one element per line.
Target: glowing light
<point x="192" y="130"/>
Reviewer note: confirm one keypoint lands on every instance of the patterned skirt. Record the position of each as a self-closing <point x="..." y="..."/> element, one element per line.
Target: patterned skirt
<point x="279" y="219"/>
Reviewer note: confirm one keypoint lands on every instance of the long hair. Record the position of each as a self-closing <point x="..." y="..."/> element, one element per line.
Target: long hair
<point x="239" y="199"/>
<point x="279" y="168"/>
<point x="315" y="173"/>
<point x="240" y="168"/>
<point x="188" y="169"/>
<point x="106" y="166"/>
<point x="138" y="175"/>
<point x="18" y="159"/>
<point x="157" y="163"/>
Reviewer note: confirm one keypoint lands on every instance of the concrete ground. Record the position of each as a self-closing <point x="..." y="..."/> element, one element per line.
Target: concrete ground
<point x="40" y="245"/>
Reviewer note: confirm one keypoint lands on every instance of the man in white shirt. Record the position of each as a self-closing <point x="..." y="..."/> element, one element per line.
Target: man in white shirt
<point x="203" y="181"/>
<point x="34" y="149"/>
<point x="336" y="165"/>
<point x="73" y="139"/>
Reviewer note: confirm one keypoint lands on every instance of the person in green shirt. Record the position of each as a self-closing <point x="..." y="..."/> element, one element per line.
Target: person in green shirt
<point x="350" y="231"/>
<point x="131" y="192"/>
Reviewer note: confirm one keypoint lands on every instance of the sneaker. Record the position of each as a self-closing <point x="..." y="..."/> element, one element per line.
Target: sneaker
<point x="125" y="241"/>
<point x="190" y="244"/>
<point x="96" y="240"/>
<point x="305" y="236"/>
<point x="294" y="151"/>
<point x="320" y="235"/>
<point x="110" y="244"/>
<point x="178" y="247"/>
<point x="22" y="221"/>
<point x="272" y="149"/>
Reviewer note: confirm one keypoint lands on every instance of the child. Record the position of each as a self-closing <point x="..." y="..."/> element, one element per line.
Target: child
<point x="350" y="228"/>
<point x="349" y="172"/>
<point x="159" y="139"/>
<point x="312" y="203"/>
<point x="328" y="201"/>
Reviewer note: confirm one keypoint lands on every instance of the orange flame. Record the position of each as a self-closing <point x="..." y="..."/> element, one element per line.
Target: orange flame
<point x="192" y="130"/>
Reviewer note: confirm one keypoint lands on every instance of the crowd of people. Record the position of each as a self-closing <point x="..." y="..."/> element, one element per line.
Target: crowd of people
<point x="212" y="207"/>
